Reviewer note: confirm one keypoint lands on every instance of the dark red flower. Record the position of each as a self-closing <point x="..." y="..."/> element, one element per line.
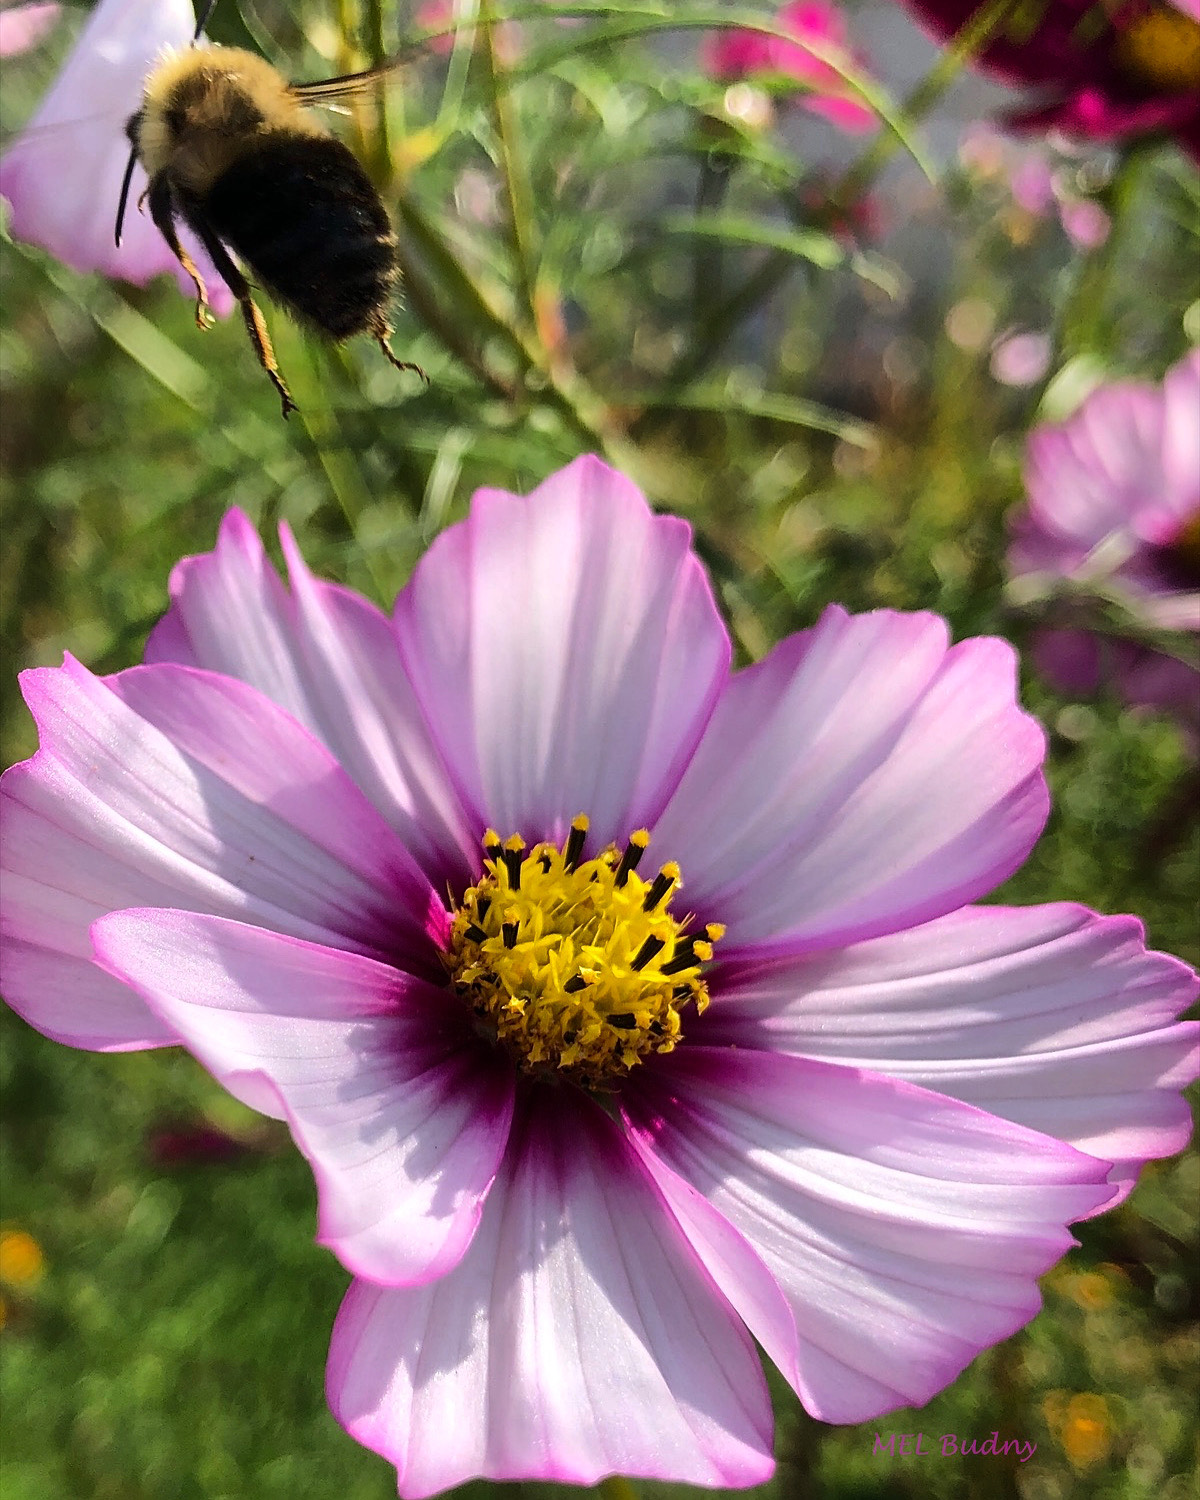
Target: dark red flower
<point x="1106" y="69"/>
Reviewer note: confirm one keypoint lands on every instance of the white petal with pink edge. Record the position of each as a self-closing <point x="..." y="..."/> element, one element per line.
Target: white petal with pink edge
<point x="1050" y="1016"/>
<point x="567" y="653"/>
<point x="906" y="1230"/>
<point x="331" y="659"/>
<point x="181" y="788"/>
<point x="401" y="1110"/>
<point x="863" y="777"/>
<point x="580" y="1336"/>
<point x="62" y="174"/>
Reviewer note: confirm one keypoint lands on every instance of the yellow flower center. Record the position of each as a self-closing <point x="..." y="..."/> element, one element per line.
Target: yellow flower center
<point x="1162" y="48"/>
<point x="574" y="964"/>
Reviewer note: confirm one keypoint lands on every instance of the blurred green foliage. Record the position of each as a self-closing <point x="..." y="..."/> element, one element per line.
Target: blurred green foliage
<point x="795" y="395"/>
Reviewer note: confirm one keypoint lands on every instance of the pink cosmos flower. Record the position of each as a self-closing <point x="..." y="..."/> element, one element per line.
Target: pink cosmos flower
<point x="62" y="175"/>
<point x="1114" y="497"/>
<point x="24" y="26"/>
<point x="1106" y="71"/>
<point x="586" y="1122"/>
<point x="737" y="53"/>
<point x="1114" y="503"/>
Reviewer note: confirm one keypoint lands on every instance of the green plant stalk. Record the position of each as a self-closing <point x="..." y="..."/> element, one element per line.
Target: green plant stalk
<point x="1079" y="326"/>
<point x="378" y="53"/>
<point x="517" y="192"/>
<point x="583" y="410"/>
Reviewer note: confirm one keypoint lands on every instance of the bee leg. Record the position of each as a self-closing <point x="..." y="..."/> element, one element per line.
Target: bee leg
<point x="255" y="325"/>
<point x="381" y="332"/>
<point x="162" y="211"/>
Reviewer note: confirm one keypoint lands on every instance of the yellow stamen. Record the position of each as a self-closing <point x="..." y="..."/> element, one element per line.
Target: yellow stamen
<point x="577" y="965"/>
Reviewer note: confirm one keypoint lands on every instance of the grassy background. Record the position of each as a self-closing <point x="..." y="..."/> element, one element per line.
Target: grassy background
<point x="167" y="1318"/>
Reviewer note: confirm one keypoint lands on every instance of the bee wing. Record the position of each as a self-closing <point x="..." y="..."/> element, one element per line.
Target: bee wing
<point x="349" y="85"/>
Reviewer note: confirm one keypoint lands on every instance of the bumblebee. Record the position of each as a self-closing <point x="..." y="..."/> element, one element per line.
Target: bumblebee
<point x="231" y="150"/>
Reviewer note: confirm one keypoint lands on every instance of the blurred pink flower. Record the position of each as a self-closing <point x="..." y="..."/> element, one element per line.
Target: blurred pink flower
<point x="1114" y="501"/>
<point x="1114" y="497"/>
<point x="62" y="175"/>
<point x="1020" y="359"/>
<point x="573" y="1192"/>
<point x="24" y="26"/>
<point x="1083" y="664"/>
<point x="1105" y="71"/>
<point x="737" y="53"/>
<point x="438" y="15"/>
<point x="1086" y="222"/>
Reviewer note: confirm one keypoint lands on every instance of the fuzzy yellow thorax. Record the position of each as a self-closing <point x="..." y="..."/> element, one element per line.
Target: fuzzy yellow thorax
<point x="577" y="965"/>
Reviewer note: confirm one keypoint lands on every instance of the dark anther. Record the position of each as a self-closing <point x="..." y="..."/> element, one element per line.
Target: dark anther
<point x="575" y="841"/>
<point x="625" y="1019"/>
<point x="512" y="863"/>
<point x="634" y="850"/>
<point x="476" y="934"/>
<point x="509" y="933"/>
<point x="482" y="907"/>
<point x="575" y="984"/>
<point x="661" y="887"/>
<point x="545" y="861"/>
<point x="493" y="850"/>
<point x="646" y="952"/>
<point x="685" y="957"/>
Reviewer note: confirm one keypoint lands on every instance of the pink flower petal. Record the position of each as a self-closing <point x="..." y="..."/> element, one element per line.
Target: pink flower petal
<point x="906" y="1230"/>
<point x="567" y="652"/>
<point x="401" y="1111"/>
<point x="580" y="1336"/>
<point x="1047" y="1015"/>
<point x="176" y="787"/>
<point x="863" y="777"/>
<point x="331" y="659"/>
<point x="62" y="175"/>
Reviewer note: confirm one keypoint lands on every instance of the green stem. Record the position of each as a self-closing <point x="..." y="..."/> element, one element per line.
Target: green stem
<point x="517" y="191"/>
<point x="583" y="410"/>
<point x="377" y="50"/>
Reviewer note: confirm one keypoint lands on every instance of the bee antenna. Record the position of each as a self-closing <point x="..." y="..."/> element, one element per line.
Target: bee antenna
<point x="203" y="21"/>
<point x="128" y="178"/>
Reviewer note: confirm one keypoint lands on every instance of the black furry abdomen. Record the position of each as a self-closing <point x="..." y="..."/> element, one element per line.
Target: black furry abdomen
<point x="302" y="215"/>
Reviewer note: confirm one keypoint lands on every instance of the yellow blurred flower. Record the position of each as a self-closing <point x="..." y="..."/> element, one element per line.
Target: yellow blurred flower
<point x="1092" y="1290"/>
<point x="1087" y="1432"/>
<point x="21" y="1260"/>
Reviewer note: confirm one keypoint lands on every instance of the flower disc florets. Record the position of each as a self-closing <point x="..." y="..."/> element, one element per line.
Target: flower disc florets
<point x="1163" y="47"/>
<point x="579" y="965"/>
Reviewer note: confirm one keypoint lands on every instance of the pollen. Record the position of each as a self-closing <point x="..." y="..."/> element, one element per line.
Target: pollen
<point x="1162" y="47"/>
<point x="578" y="965"/>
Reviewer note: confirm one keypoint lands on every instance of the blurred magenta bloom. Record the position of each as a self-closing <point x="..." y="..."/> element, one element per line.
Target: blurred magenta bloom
<point x="1084" y="664"/>
<point x="1104" y="71"/>
<point x="1114" y="503"/>
<point x="577" y="1160"/>
<point x="24" y="26"/>
<point x="62" y="174"/>
<point x="737" y="53"/>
